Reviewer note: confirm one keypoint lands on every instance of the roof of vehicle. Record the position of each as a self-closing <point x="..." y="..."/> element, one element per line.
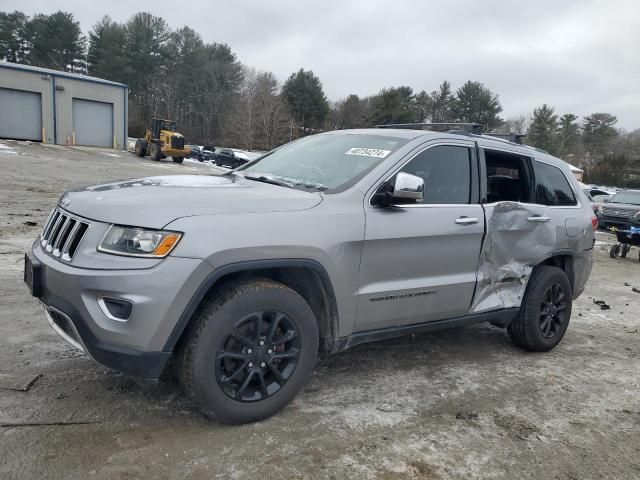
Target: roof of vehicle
<point x="488" y="140"/>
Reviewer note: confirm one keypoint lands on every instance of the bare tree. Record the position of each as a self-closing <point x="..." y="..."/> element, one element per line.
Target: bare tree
<point x="259" y="119"/>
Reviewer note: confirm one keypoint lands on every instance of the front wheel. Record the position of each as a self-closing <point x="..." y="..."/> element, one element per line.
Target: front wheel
<point x="249" y="351"/>
<point x="545" y="311"/>
<point x="154" y="152"/>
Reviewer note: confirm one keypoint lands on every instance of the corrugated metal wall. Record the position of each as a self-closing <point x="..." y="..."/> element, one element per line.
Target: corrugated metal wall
<point x="87" y="91"/>
<point x="31" y="82"/>
<point x="60" y="91"/>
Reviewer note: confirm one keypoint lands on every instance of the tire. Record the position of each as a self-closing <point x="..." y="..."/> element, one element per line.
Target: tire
<point x="214" y="378"/>
<point x="624" y="250"/>
<point x="141" y="147"/>
<point x="217" y="162"/>
<point x="177" y="159"/>
<point x="614" y="251"/>
<point x="154" y="152"/>
<point x="533" y="329"/>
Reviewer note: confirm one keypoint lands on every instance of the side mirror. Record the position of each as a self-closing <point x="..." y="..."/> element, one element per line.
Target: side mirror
<point x="408" y="187"/>
<point x="403" y="188"/>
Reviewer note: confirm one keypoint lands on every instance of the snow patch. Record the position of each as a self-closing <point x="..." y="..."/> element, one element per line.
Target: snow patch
<point x="7" y="149"/>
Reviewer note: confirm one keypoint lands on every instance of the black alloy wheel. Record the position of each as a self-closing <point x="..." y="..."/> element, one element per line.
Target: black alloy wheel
<point x="552" y="311"/>
<point x="259" y="357"/>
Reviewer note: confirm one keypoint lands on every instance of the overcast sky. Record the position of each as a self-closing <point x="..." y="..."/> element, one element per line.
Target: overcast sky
<point x="581" y="56"/>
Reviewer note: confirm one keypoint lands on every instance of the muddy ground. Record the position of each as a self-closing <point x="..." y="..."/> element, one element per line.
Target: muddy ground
<point x="462" y="403"/>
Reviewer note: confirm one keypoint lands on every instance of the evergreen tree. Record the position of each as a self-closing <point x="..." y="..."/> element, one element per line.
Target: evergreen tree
<point x="306" y="99"/>
<point x="108" y="56"/>
<point x="568" y="134"/>
<point x="442" y="103"/>
<point x="13" y="42"/>
<point x="393" y="105"/>
<point x="56" y="41"/>
<point x="476" y="103"/>
<point x="598" y="134"/>
<point x="543" y="129"/>
<point x="350" y="112"/>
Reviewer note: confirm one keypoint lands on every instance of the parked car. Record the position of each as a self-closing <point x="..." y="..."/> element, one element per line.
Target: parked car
<point x="225" y="157"/>
<point x="200" y="153"/>
<point x="621" y="211"/>
<point x="239" y="282"/>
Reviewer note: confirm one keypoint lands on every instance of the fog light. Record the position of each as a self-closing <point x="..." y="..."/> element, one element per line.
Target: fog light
<point x="116" y="309"/>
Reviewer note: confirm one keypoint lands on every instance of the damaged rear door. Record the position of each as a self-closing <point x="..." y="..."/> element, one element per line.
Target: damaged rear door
<point x="518" y="231"/>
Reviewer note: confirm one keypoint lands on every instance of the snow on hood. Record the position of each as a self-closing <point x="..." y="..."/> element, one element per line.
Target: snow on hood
<point x="155" y="201"/>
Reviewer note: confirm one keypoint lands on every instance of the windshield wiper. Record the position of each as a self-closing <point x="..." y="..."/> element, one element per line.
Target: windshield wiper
<point x="264" y="179"/>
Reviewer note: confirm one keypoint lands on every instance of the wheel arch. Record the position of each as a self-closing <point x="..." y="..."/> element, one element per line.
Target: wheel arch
<point x="306" y="277"/>
<point x="563" y="260"/>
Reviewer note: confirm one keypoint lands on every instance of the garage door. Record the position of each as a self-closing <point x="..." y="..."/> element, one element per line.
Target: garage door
<point x="93" y="123"/>
<point x="21" y="116"/>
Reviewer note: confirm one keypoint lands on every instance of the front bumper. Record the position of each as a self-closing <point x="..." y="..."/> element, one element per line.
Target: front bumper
<point x="176" y="152"/>
<point x="607" y="222"/>
<point x="136" y="346"/>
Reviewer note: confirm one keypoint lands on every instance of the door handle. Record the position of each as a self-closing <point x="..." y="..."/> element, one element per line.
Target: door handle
<point x="466" y="220"/>
<point x="538" y="218"/>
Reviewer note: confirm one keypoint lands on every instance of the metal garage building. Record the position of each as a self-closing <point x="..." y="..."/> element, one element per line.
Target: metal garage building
<point x="64" y="108"/>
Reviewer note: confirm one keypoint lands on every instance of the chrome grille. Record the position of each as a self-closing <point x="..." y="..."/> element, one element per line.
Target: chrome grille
<point x="62" y="234"/>
<point x="619" y="212"/>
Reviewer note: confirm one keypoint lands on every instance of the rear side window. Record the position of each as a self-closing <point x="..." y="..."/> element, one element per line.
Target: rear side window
<point x="552" y="187"/>
<point x="446" y="171"/>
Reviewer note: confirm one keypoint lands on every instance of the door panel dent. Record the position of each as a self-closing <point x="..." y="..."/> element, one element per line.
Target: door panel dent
<point x="511" y="247"/>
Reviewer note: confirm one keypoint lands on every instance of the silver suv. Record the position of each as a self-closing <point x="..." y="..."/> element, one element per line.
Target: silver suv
<point x="337" y="239"/>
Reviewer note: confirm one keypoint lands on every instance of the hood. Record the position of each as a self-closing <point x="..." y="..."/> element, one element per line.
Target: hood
<point x="155" y="201"/>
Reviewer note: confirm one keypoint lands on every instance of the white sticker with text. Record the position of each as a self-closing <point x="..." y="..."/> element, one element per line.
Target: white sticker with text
<point x="368" y="152"/>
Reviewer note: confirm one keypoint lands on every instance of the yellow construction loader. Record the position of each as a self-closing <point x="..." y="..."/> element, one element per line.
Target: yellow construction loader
<point x="162" y="140"/>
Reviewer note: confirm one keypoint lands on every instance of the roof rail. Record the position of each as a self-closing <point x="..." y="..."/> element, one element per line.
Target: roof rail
<point x="468" y="129"/>
<point x="474" y="128"/>
<point x="511" y="137"/>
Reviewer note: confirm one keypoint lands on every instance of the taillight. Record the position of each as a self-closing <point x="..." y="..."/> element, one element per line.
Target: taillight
<point x="594" y="223"/>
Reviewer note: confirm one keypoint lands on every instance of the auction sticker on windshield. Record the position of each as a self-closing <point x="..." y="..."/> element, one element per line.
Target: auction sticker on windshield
<point x="368" y="152"/>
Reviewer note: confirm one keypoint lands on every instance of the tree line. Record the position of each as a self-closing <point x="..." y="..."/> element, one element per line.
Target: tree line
<point x="217" y="100"/>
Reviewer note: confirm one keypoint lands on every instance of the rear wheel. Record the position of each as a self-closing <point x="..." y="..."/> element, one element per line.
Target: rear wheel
<point x="154" y="152"/>
<point x="614" y="251"/>
<point x="141" y="147"/>
<point x="177" y="159"/>
<point x="624" y="250"/>
<point x="545" y="311"/>
<point x="250" y="350"/>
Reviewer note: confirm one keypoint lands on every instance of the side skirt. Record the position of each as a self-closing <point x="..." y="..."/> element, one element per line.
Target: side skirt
<point x="497" y="317"/>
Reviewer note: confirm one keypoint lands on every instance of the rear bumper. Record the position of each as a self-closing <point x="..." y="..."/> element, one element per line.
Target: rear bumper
<point x="582" y="265"/>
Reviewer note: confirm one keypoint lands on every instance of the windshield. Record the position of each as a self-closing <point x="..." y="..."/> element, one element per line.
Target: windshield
<point x="325" y="162"/>
<point x="626" y="197"/>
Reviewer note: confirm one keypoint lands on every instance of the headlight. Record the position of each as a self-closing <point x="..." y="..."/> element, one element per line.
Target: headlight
<point x="138" y="242"/>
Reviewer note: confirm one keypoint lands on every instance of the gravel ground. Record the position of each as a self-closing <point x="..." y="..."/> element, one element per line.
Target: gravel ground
<point x="461" y="403"/>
